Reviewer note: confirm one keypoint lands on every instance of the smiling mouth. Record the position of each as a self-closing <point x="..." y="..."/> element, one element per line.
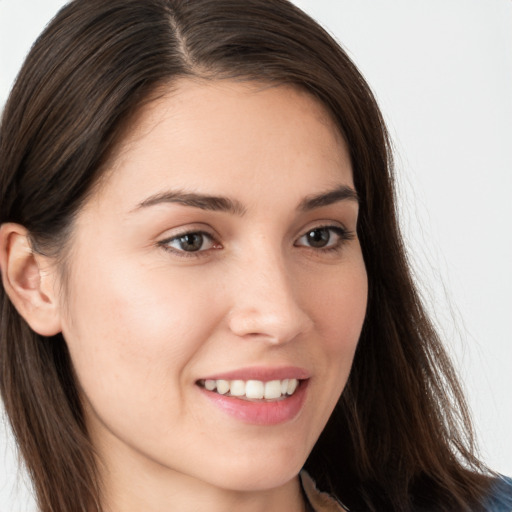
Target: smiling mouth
<point x="251" y="390"/>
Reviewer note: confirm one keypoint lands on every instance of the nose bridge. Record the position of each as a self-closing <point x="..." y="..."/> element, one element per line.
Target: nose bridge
<point x="266" y="303"/>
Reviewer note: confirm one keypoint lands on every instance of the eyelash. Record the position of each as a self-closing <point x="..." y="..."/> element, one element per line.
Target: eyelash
<point x="343" y="234"/>
<point x="165" y="244"/>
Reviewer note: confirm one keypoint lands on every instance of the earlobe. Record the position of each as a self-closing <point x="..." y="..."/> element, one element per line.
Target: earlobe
<point x="29" y="280"/>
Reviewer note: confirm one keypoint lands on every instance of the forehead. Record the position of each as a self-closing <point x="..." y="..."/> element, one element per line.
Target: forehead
<point x="219" y="133"/>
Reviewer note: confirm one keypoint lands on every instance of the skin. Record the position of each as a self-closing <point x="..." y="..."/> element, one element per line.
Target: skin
<point x="145" y="320"/>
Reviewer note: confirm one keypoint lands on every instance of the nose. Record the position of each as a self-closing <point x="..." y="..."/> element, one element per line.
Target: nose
<point x="267" y="301"/>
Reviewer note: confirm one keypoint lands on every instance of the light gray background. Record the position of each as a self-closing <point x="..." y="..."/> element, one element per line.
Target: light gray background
<point x="442" y="72"/>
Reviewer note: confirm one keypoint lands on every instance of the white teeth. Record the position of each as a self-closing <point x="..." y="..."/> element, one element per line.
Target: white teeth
<point x="237" y="388"/>
<point x="273" y="389"/>
<point x="222" y="386"/>
<point x="253" y="389"/>
<point x="292" y="386"/>
<point x="210" y="385"/>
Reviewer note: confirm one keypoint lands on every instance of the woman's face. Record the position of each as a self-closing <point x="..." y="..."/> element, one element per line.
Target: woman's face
<point x="221" y="246"/>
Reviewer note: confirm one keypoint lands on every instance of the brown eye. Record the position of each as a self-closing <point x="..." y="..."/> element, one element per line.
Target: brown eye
<point x="191" y="242"/>
<point x="195" y="241"/>
<point x="324" y="238"/>
<point x="318" y="237"/>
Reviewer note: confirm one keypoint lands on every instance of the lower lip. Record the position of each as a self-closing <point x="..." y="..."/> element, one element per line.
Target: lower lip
<point x="260" y="412"/>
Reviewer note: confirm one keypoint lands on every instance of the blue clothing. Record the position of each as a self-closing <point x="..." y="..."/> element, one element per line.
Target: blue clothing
<point x="500" y="499"/>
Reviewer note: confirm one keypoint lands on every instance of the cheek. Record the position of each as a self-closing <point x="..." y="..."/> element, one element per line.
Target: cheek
<point x="130" y="326"/>
<point x="340" y="308"/>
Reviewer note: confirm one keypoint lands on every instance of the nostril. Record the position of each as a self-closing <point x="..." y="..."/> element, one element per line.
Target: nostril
<point x="277" y="326"/>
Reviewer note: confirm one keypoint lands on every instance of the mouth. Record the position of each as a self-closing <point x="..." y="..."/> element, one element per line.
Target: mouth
<point x="263" y="396"/>
<point x="252" y="390"/>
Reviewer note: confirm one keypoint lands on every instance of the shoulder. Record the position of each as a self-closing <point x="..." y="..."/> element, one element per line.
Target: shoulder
<point x="500" y="497"/>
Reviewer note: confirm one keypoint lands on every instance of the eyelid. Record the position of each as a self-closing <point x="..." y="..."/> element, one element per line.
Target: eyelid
<point x="186" y="229"/>
<point x="189" y="230"/>
<point x="324" y="224"/>
<point x="340" y="230"/>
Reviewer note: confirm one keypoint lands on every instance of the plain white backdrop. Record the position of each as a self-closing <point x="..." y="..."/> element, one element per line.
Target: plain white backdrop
<point x="442" y="72"/>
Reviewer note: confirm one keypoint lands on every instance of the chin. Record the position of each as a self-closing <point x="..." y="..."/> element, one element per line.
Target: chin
<point x="258" y="474"/>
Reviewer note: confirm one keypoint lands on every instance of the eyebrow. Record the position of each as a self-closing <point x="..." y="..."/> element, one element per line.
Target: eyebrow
<point x="225" y="204"/>
<point x="202" y="201"/>
<point x="341" y="193"/>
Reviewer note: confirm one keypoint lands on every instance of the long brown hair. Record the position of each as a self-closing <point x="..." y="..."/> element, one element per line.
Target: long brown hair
<point x="400" y="436"/>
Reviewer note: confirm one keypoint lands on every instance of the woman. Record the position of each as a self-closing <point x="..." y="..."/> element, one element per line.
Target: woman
<point x="205" y="290"/>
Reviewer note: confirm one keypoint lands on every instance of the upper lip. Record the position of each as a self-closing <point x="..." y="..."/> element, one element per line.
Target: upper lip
<point x="262" y="373"/>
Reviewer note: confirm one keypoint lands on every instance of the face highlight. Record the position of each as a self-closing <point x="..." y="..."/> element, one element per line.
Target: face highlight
<point x="216" y="287"/>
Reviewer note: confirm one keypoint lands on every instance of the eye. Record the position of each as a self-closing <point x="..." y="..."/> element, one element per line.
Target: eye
<point x="193" y="241"/>
<point x="324" y="237"/>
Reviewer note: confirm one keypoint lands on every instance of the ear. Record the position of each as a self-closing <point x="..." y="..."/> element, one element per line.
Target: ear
<point x="29" y="280"/>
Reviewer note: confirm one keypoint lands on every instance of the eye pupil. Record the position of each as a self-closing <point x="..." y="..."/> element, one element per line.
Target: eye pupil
<point x="318" y="237"/>
<point x="191" y="242"/>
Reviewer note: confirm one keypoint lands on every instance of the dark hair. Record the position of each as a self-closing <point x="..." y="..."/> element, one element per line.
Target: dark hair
<point x="400" y="435"/>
